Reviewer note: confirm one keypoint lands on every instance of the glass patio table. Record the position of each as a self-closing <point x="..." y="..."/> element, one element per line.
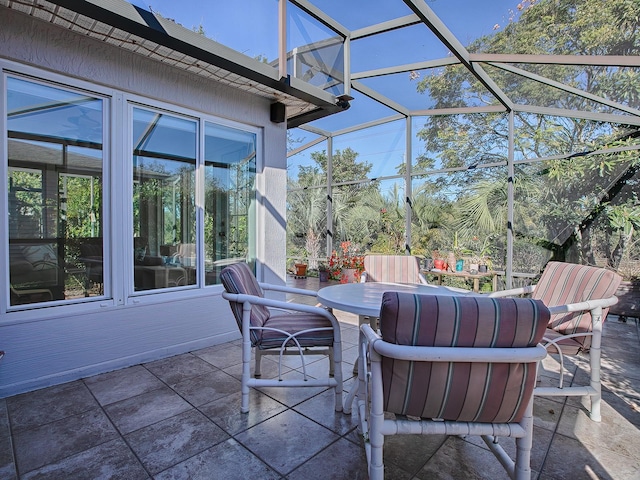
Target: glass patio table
<point x="365" y="299"/>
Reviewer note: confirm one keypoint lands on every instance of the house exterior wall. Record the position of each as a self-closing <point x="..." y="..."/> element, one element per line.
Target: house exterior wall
<point x="57" y="344"/>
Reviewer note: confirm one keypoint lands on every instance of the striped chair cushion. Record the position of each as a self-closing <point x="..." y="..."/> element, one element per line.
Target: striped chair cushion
<point x="392" y="268"/>
<point x="460" y="391"/>
<point x="562" y="283"/>
<point x="295" y="322"/>
<point x="238" y="278"/>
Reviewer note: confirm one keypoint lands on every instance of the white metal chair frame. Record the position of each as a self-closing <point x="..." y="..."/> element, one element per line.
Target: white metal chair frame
<point x="594" y="389"/>
<point x="334" y="380"/>
<point x="374" y="426"/>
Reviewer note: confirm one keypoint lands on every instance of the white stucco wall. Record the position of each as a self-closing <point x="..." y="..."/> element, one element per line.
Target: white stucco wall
<point x="55" y="345"/>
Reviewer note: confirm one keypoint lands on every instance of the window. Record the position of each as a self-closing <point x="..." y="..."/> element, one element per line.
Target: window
<point x="167" y="233"/>
<point x="164" y="208"/>
<point x="55" y="184"/>
<point x="192" y="210"/>
<point x="230" y="170"/>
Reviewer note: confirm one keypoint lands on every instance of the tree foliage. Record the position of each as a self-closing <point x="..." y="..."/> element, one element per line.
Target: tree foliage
<point x="560" y="193"/>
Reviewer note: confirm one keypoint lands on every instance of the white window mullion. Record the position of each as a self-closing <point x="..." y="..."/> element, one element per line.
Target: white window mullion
<point x="200" y="198"/>
<point x="118" y="210"/>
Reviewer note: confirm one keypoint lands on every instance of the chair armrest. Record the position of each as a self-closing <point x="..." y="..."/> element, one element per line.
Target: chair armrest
<point x="514" y="291"/>
<point x="453" y="354"/>
<point x="267" y="302"/>
<point x="581" y="306"/>
<point x="283" y="288"/>
<point x="423" y="279"/>
<point x="369" y="333"/>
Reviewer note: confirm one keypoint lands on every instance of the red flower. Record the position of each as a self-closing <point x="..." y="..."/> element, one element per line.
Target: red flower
<point x="348" y="259"/>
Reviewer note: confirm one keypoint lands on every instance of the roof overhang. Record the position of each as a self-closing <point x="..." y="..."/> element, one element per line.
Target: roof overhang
<point x="127" y="26"/>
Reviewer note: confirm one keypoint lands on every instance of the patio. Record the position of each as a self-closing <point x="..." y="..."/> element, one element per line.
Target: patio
<point x="180" y="418"/>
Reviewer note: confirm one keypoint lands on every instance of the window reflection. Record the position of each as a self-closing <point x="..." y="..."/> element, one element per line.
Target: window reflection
<point x="230" y="169"/>
<point x="54" y="192"/>
<point x="164" y="216"/>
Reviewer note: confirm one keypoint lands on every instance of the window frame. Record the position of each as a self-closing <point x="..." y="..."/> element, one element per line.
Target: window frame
<point x="117" y="165"/>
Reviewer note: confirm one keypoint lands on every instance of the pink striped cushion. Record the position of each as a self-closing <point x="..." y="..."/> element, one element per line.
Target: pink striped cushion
<point x="238" y="278"/>
<point x="392" y="268"/>
<point x="562" y="283"/>
<point x="461" y="391"/>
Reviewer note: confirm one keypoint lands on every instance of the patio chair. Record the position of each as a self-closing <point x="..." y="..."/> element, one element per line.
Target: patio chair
<point x="274" y="327"/>
<point x="389" y="269"/>
<point x="392" y="269"/>
<point x="458" y="366"/>
<point x="579" y="297"/>
<point x="30" y="295"/>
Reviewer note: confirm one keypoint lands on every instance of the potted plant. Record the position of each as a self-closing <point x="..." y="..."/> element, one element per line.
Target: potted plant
<point x="474" y="265"/>
<point x="439" y="263"/>
<point x="347" y="266"/>
<point x="323" y="272"/>
<point x="300" y="269"/>
<point x="484" y="260"/>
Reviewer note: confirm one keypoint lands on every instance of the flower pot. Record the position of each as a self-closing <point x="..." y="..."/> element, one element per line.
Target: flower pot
<point x="348" y="275"/>
<point x="473" y="268"/>
<point x="459" y="265"/>
<point x="301" y="269"/>
<point x="439" y="264"/>
<point x="482" y="268"/>
<point x="323" y="276"/>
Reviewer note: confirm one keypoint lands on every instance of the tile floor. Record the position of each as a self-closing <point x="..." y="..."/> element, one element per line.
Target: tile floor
<point x="179" y="418"/>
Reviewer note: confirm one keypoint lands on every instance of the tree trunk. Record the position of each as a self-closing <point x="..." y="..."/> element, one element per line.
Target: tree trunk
<point x="621" y="248"/>
<point x="586" y="251"/>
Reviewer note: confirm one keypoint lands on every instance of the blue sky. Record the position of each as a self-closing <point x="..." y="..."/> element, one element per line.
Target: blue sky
<point x="256" y="33"/>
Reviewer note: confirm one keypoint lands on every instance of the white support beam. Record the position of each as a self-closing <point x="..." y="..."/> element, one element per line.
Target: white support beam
<point x="282" y="38"/>
<point x="408" y="211"/>
<point x="373" y="94"/>
<point x="598" y="60"/>
<point x="316" y="130"/>
<point x="564" y="156"/>
<point x="441" y="31"/>
<point x="385" y="26"/>
<point x="458" y="110"/>
<point x="595" y="116"/>
<point x="373" y="123"/>
<point x="302" y="148"/>
<point x="566" y="88"/>
<point x="330" y="225"/>
<point x="510" y="201"/>
<point x="322" y="17"/>
<point x="409" y="67"/>
<point x="346" y="80"/>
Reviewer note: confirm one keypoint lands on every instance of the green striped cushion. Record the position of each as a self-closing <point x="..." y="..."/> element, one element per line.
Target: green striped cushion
<point x="392" y="268"/>
<point x="461" y="391"/>
<point x="562" y="283"/>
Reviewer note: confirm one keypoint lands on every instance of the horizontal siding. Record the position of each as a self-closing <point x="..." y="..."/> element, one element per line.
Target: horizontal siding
<point x="57" y="350"/>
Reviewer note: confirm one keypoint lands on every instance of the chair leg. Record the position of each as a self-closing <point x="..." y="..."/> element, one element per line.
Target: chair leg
<point x="246" y="375"/>
<point x="524" y="446"/>
<point x="596" y="398"/>
<point x="257" y="373"/>
<point x="332" y="366"/>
